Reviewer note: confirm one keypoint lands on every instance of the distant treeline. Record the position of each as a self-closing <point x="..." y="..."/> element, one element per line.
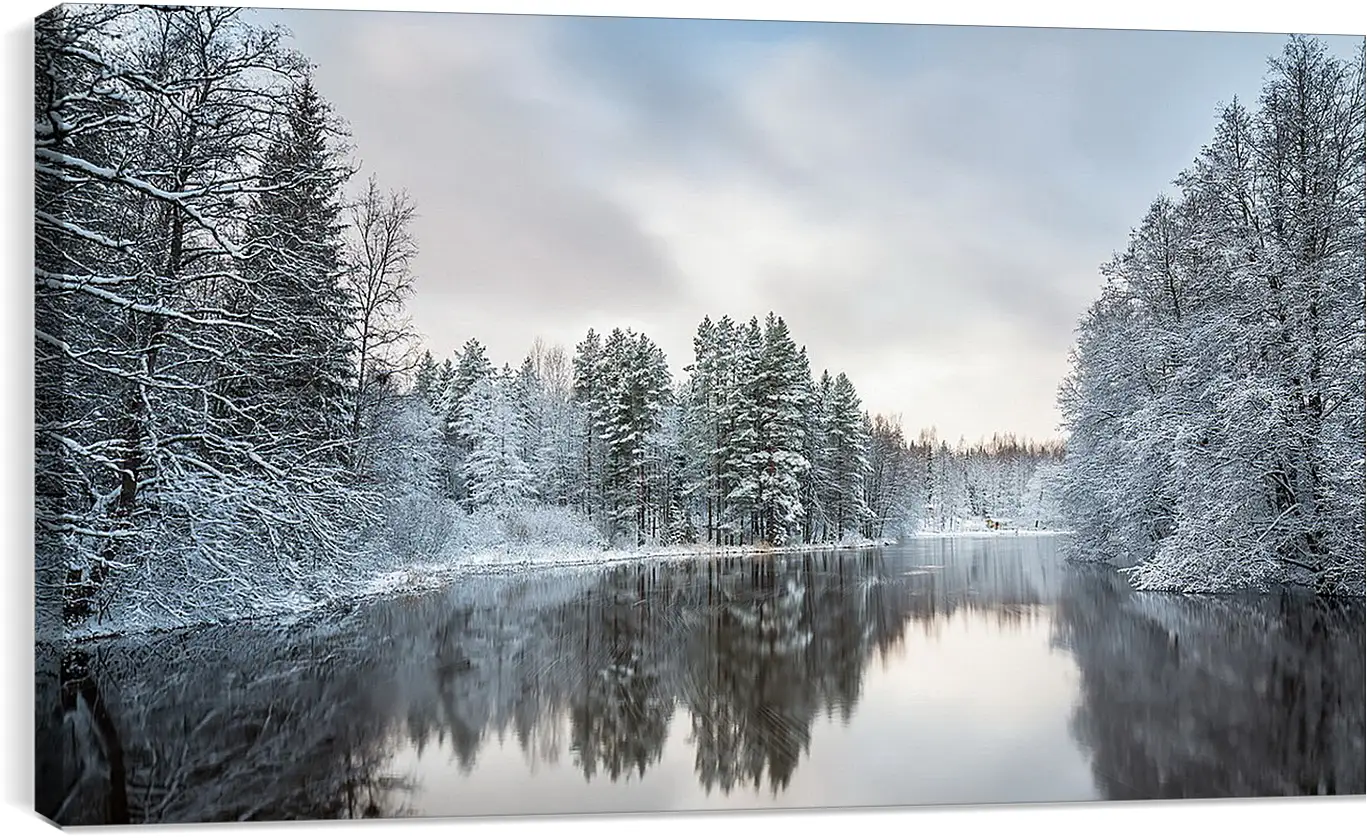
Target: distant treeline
<point x="750" y="447"/>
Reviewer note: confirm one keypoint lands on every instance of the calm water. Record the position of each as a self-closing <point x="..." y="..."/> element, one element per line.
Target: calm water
<point x="942" y="672"/>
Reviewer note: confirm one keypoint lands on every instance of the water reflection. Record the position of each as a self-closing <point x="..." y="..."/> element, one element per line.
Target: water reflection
<point x="236" y="724"/>
<point x="733" y="672"/>
<point x="1215" y="697"/>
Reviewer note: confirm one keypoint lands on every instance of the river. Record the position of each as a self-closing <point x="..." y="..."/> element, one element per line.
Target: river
<point x="941" y="671"/>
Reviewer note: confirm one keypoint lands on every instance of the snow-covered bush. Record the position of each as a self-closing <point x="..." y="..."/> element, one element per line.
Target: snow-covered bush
<point x="624" y="539"/>
<point x="550" y="525"/>
<point x="223" y="548"/>
<point x="853" y="538"/>
<point x="525" y="526"/>
<point x="418" y="526"/>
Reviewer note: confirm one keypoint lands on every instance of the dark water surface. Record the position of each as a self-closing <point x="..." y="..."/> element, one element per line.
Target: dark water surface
<point x="941" y="672"/>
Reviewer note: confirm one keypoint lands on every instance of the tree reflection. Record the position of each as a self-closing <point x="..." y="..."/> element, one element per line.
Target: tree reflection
<point x="1180" y="696"/>
<point x="783" y="641"/>
<point x="1188" y="697"/>
<point x="620" y="715"/>
<point x="237" y="725"/>
<point x="747" y="704"/>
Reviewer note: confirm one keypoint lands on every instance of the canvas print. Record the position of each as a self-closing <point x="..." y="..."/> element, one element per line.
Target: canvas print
<point x="479" y="415"/>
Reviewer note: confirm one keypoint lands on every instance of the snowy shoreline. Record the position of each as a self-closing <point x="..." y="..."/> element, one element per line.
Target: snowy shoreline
<point x="430" y="576"/>
<point x="1003" y="533"/>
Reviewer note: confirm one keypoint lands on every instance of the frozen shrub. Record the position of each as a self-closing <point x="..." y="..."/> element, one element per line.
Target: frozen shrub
<point x="419" y="526"/>
<point x="524" y="526"/>
<point x="547" y="526"/>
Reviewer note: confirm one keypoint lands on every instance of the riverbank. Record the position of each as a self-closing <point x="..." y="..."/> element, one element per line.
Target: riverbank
<point x="290" y="604"/>
<point x="419" y="577"/>
<point x="1002" y="533"/>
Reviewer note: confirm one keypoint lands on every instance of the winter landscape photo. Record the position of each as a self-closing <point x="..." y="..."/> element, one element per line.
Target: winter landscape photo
<point x="452" y="414"/>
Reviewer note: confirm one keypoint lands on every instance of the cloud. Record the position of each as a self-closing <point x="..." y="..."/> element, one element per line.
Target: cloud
<point x="470" y="116"/>
<point x="848" y="210"/>
<point x="926" y="206"/>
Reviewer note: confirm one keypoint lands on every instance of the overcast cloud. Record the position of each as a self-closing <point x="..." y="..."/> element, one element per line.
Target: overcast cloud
<point x="926" y="206"/>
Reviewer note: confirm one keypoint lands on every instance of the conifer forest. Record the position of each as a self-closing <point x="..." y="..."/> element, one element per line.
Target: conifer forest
<point x="271" y="509"/>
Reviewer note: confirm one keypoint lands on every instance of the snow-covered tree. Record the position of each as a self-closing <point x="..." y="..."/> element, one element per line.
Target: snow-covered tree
<point x="701" y="400"/>
<point x="426" y="379"/>
<point x="891" y="486"/>
<point x="819" y="487"/>
<point x="172" y="147"/>
<point x="772" y="461"/>
<point x="636" y="388"/>
<point x="495" y="473"/>
<point x="377" y="277"/>
<point x="298" y="385"/>
<point x="849" y="444"/>
<point x="1215" y="403"/>
<point x="472" y="366"/>
<point x="590" y="397"/>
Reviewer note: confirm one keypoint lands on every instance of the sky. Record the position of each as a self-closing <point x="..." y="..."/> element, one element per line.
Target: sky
<point x="926" y="206"/>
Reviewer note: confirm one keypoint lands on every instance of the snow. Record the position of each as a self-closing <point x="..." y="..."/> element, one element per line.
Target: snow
<point x="507" y="560"/>
<point x="489" y="543"/>
<point x="1002" y="533"/>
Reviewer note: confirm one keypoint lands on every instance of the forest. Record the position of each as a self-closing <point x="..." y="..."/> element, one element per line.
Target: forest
<point x="1214" y="412"/>
<point x="232" y="412"/>
<point x="750" y="448"/>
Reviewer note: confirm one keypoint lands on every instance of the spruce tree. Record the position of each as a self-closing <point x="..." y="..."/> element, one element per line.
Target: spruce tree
<point x="739" y="439"/>
<point x="589" y="395"/>
<point x="496" y="474"/>
<point x="849" y="465"/>
<point x="778" y="461"/>
<point x="636" y="388"/>
<point x="295" y="383"/>
<point x="425" y="380"/>
<point x="473" y="366"/>
<point x="700" y="398"/>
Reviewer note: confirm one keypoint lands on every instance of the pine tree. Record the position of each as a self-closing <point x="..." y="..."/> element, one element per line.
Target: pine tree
<point x="528" y="395"/>
<point x="666" y="466"/>
<point x="777" y="462"/>
<point x="739" y="439"/>
<point x="728" y="373"/>
<point x="821" y="476"/>
<point x="445" y="375"/>
<point x="472" y="367"/>
<point x="590" y="391"/>
<point x="636" y="388"/>
<point x="849" y="465"/>
<point x="426" y="379"/>
<point x="298" y="382"/>
<point x="700" y="399"/>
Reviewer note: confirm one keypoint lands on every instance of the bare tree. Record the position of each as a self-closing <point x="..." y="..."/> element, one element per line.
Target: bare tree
<point x="380" y="282"/>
